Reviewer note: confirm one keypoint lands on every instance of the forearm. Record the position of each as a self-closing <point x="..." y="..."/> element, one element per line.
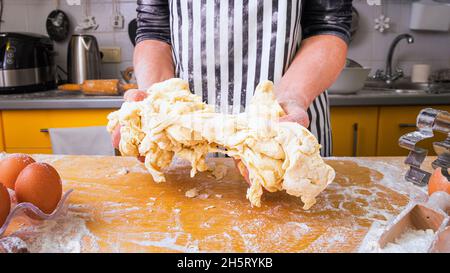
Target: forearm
<point x="153" y="63"/>
<point x="315" y="67"/>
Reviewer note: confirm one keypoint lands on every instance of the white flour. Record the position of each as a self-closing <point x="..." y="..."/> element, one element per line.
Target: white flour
<point x="67" y="234"/>
<point x="412" y="241"/>
<point x="393" y="176"/>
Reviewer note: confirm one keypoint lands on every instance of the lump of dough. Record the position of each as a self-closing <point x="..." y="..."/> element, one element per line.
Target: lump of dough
<point x="173" y="121"/>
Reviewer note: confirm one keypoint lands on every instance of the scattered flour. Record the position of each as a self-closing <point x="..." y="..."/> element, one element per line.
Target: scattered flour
<point x="12" y="244"/>
<point x="191" y="193"/>
<point x="68" y="234"/>
<point x="393" y="176"/>
<point x="168" y="241"/>
<point x="195" y="192"/>
<point x="123" y="171"/>
<point x="203" y="196"/>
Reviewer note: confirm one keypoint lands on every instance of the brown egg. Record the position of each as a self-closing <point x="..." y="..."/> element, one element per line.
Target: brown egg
<point x="39" y="184"/>
<point x="11" y="166"/>
<point x="5" y="204"/>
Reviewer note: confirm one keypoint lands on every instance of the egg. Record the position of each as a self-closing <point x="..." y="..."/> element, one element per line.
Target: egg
<point x="5" y="204"/>
<point x="11" y="166"/>
<point x="39" y="184"/>
<point x="438" y="182"/>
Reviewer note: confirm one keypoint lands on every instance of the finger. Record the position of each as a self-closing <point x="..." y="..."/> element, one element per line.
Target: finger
<point x="115" y="137"/>
<point x="135" y="95"/>
<point x="287" y="118"/>
<point x="301" y="119"/>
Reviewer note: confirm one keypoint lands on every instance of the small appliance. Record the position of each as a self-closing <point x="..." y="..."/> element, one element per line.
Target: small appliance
<point x="27" y="63"/>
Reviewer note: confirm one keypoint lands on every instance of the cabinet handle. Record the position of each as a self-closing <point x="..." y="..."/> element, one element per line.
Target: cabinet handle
<point x="407" y="125"/>
<point x="355" y="139"/>
<point x="43" y="130"/>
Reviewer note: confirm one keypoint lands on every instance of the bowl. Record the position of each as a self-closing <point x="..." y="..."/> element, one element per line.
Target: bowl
<point x="350" y="81"/>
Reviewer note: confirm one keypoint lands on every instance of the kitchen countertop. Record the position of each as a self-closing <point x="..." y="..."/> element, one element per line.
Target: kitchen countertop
<point x="75" y="100"/>
<point x="116" y="207"/>
<point x="368" y="97"/>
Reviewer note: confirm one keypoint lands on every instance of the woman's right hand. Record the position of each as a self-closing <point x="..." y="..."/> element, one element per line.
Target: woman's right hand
<point x="130" y="95"/>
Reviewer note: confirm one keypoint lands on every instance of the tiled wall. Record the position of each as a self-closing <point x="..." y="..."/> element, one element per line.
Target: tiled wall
<point x="30" y="16"/>
<point x="369" y="47"/>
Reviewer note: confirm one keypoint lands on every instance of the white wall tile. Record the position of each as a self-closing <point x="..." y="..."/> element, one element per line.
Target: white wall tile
<point x="109" y="71"/>
<point x="369" y="47"/>
<point x="429" y="47"/>
<point x="15" y="17"/>
<point x="37" y="12"/>
<point x="123" y="41"/>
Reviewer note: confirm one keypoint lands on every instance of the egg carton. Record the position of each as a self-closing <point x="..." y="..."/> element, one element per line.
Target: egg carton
<point x="33" y="212"/>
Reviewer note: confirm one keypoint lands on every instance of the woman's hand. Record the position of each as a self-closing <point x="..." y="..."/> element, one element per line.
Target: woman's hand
<point x="153" y="63"/>
<point x="130" y="95"/>
<point x="295" y="113"/>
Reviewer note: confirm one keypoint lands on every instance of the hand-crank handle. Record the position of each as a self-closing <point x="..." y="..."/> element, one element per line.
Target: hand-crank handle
<point x="432" y="119"/>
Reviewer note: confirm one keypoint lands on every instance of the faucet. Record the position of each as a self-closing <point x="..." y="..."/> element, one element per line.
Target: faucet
<point x="389" y="76"/>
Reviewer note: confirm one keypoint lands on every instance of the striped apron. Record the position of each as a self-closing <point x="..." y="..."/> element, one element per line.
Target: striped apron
<point x="225" y="48"/>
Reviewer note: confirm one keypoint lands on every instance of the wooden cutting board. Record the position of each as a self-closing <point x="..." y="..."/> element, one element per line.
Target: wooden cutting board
<point x="125" y="211"/>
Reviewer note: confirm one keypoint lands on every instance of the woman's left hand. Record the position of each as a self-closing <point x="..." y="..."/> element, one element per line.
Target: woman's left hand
<point x="295" y="113"/>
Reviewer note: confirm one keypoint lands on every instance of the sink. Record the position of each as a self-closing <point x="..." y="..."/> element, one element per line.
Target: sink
<point x="400" y="84"/>
<point x="400" y="87"/>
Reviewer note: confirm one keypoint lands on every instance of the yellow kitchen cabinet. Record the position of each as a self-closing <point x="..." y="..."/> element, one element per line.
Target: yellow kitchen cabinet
<point x="354" y="130"/>
<point x="29" y="150"/>
<point x="395" y="121"/>
<point x="26" y="130"/>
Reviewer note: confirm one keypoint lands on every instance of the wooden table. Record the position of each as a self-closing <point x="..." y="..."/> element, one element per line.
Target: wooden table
<point x="116" y="207"/>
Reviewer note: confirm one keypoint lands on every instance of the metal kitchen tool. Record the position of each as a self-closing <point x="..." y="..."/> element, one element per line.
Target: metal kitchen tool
<point x="422" y="216"/>
<point x="57" y="25"/>
<point x="428" y="121"/>
<point x="83" y="59"/>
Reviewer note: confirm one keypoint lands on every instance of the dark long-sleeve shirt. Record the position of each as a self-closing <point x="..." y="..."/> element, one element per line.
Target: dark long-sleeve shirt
<point x="317" y="17"/>
<point x="225" y="48"/>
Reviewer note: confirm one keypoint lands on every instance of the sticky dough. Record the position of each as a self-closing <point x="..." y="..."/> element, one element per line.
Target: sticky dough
<point x="173" y="121"/>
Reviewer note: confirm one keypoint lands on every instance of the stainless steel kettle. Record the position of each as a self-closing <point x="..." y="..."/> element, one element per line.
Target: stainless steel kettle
<point x="83" y="59"/>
